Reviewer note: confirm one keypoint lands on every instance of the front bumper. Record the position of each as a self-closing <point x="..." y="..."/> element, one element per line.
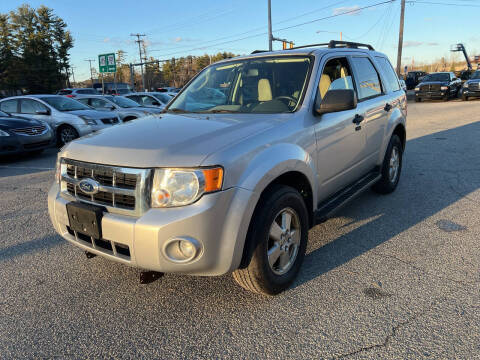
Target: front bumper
<point x="17" y="144"/>
<point x="470" y="93"/>
<point x="217" y="221"/>
<point x="440" y="94"/>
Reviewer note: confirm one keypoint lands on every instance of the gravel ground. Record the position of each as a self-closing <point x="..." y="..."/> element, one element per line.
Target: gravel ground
<point x="391" y="277"/>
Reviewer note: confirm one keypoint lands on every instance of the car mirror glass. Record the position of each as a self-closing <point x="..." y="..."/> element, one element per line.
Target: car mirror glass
<point x="337" y="100"/>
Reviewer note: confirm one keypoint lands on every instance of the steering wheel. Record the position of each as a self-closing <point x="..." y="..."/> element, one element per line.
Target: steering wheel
<point x="288" y="100"/>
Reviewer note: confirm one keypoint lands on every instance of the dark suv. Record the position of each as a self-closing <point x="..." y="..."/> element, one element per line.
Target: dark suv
<point x="471" y="88"/>
<point x="440" y="86"/>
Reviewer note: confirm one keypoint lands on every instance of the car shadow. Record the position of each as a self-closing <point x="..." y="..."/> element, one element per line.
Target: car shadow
<point x="28" y="163"/>
<point x="28" y="247"/>
<point x="445" y="169"/>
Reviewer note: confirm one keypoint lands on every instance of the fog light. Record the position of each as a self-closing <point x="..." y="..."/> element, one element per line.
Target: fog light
<point x="182" y="250"/>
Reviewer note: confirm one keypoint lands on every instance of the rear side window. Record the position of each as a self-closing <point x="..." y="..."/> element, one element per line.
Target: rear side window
<point x="390" y="76"/>
<point x="29" y="106"/>
<point x="9" y="106"/>
<point x="86" y="91"/>
<point x="368" y="82"/>
<point x="83" y="101"/>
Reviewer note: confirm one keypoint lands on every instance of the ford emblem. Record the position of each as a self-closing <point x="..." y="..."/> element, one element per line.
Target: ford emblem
<point x="88" y="186"/>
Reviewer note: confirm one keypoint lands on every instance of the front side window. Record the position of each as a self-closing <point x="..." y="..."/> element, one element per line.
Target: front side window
<point x="476" y="75"/>
<point x="64" y="103"/>
<point x="336" y="75"/>
<point x="163" y="98"/>
<point x="9" y="106"/>
<point x="122" y="102"/>
<point x="256" y="85"/>
<point x="29" y="106"/>
<point x="390" y="76"/>
<point x="368" y="81"/>
<point x="148" y="100"/>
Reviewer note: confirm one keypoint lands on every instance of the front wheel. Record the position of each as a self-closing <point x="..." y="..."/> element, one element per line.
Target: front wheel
<point x="465" y="98"/>
<point x="279" y="230"/>
<point x="66" y="133"/>
<point x="391" y="168"/>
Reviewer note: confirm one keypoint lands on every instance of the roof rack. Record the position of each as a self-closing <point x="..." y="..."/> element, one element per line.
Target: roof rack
<point x="258" y="51"/>
<point x="337" y="44"/>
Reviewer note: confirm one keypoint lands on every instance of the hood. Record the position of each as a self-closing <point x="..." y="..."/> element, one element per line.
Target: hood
<point x="169" y="140"/>
<point x="17" y="123"/>
<point x="95" y="114"/>
<point x="470" y="81"/>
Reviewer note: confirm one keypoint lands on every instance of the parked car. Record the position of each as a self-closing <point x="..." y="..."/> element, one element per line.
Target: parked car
<point x="68" y="117"/>
<point x="125" y="108"/>
<point x="21" y="135"/>
<point x="75" y="92"/>
<point x="471" y="87"/>
<point x="213" y="188"/>
<point x="413" y="78"/>
<point x="156" y="99"/>
<point x="441" y="85"/>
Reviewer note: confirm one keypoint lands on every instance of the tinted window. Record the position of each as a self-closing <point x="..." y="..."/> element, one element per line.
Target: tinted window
<point x="148" y="100"/>
<point x="368" y="81"/>
<point x="86" y="91"/>
<point x="64" y="103"/>
<point x="437" y="77"/>
<point x="390" y="76"/>
<point x="122" y="102"/>
<point x="163" y="98"/>
<point x="28" y="106"/>
<point x="83" y="101"/>
<point x="135" y="98"/>
<point x="64" y="92"/>
<point x="9" y="106"/>
<point x="99" y="103"/>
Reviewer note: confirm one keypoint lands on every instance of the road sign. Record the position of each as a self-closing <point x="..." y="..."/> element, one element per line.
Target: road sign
<point x="107" y="63"/>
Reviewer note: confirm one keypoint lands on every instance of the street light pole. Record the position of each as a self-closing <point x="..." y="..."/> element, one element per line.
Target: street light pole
<point x="91" y="74"/>
<point x="270" y="36"/>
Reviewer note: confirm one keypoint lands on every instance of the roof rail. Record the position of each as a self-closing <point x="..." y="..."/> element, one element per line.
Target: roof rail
<point x="337" y="44"/>
<point x="258" y="51"/>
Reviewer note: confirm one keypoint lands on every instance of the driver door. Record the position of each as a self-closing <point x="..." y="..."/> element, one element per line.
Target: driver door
<point x="340" y="142"/>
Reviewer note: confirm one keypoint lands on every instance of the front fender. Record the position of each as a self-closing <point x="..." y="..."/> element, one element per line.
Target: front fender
<point x="274" y="161"/>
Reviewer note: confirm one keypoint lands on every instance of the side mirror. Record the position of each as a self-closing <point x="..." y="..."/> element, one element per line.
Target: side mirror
<point x="42" y="112"/>
<point x="337" y="100"/>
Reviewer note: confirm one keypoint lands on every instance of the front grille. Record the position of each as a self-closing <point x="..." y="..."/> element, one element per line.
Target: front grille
<point x="37" y="144"/>
<point x="31" y="131"/>
<point x="103" y="245"/>
<point x="474" y="86"/>
<point x="431" y="87"/>
<point x="110" y="120"/>
<point x="120" y="190"/>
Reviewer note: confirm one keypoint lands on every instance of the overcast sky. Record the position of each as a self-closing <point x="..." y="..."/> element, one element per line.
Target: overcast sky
<point x="176" y="28"/>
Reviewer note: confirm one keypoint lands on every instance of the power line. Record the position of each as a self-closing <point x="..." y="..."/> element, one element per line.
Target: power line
<point x="441" y="3"/>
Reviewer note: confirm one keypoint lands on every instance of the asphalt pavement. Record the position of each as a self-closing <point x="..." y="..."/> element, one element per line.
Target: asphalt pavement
<point x="391" y="277"/>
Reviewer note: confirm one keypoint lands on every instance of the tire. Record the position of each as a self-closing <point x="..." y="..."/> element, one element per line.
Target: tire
<point x="465" y="98"/>
<point x="390" y="177"/>
<point x="417" y="99"/>
<point x="446" y="97"/>
<point x="65" y="134"/>
<point x="270" y="275"/>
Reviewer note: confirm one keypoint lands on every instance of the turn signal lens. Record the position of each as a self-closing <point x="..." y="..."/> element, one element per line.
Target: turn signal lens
<point x="213" y="179"/>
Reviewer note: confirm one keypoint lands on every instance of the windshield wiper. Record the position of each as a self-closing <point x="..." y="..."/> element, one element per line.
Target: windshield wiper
<point x="178" y="111"/>
<point x="218" y="111"/>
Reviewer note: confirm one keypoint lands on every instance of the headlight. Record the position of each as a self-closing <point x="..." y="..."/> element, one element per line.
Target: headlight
<point x="4" y="133"/>
<point x="179" y="187"/>
<point x="465" y="84"/>
<point x="444" y="88"/>
<point x="58" y="168"/>
<point x="417" y="89"/>
<point x="88" y="120"/>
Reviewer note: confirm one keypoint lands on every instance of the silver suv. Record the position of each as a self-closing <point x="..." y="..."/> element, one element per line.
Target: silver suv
<point x="249" y="156"/>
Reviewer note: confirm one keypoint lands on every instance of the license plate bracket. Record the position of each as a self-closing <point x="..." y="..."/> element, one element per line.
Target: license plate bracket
<point x="85" y="218"/>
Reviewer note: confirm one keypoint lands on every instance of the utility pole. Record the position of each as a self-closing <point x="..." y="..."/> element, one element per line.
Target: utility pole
<point x="400" y="38"/>
<point x="73" y="74"/>
<point x="139" y="41"/>
<point x="91" y="74"/>
<point x="270" y="36"/>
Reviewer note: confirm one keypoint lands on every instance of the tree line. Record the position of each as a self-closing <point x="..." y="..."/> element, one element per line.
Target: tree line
<point x="34" y="45"/>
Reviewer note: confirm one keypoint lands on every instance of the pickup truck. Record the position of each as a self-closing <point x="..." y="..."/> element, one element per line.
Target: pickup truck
<point x="250" y="155"/>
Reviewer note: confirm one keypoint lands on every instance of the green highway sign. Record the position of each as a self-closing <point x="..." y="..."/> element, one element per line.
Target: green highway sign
<point x="107" y="63"/>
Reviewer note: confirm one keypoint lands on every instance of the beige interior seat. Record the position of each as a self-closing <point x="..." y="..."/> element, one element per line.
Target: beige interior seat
<point x="324" y="84"/>
<point x="264" y="90"/>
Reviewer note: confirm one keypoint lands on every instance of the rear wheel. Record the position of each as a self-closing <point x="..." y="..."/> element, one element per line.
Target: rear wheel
<point x="66" y="133"/>
<point x="464" y="98"/>
<point x="417" y="99"/>
<point x="279" y="230"/>
<point x="391" y="168"/>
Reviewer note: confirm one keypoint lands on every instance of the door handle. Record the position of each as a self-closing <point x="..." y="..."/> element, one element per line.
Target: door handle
<point x="357" y="119"/>
<point x="387" y="107"/>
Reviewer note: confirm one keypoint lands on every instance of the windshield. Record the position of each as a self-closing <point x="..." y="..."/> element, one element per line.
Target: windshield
<point x="476" y="75"/>
<point x="258" y="85"/>
<point x="64" y="103"/>
<point x="122" y="102"/>
<point x="437" y="77"/>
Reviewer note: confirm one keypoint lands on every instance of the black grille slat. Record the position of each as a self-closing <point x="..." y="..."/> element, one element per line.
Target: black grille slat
<point x="31" y="131"/>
